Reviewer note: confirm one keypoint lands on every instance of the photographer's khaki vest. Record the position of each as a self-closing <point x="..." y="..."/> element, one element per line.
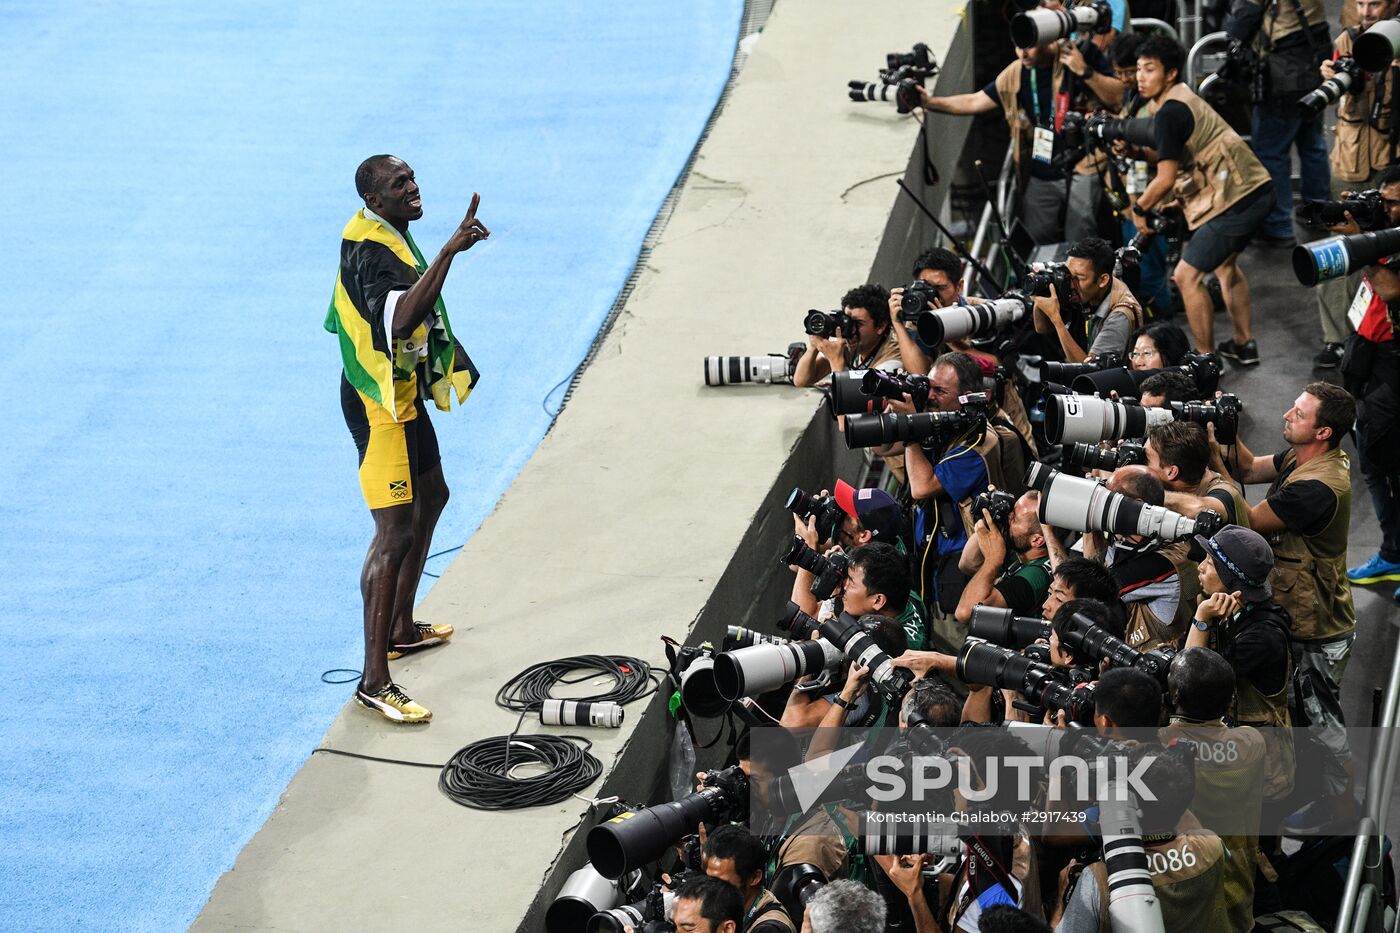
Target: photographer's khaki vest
<point x="1309" y="578"/>
<point x="1363" y="144"/>
<point x="1120" y="298"/>
<point x="1217" y="169"/>
<point x="1267" y="712"/>
<point x="1188" y="889"/>
<point x="1229" y="795"/>
<point x="1144" y="630"/>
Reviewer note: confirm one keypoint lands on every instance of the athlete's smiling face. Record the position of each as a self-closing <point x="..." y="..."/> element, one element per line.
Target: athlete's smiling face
<point x="396" y="197"/>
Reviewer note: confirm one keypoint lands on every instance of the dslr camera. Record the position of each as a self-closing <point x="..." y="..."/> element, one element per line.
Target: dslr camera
<point x="1346" y="72"/>
<point x="828" y="324"/>
<point x="1366" y="207"/>
<point x="823" y="508"/>
<point x="998" y="503"/>
<point x="828" y="571"/>
<point x="934" y="430"/>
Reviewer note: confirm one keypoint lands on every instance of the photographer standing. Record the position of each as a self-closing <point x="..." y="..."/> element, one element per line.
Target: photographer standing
<point x="1290" y="39"/>
<point x="1007" y="567"/>
<point x="1224" y="190"/>
<point x="867" y="342"/>
<point x="1034" y="93"/>
<point x="1101" y="307"/>
<point x="1367" y="137"/>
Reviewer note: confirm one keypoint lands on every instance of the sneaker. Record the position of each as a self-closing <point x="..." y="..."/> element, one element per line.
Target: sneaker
<point x="1329" y="358"/>
<point x="429" y="635"/>
<point x="1375" y="570"/>
<point x="394" y="705"/>
<point x="1245" y="354"/>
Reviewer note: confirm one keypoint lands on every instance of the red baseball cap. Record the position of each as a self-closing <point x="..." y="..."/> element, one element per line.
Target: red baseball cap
<point x="875" y="509"/>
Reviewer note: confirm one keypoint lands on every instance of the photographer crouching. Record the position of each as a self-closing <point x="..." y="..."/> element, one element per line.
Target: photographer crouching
<point x="1224" y="190"/>
<point x="1099" y="306"/>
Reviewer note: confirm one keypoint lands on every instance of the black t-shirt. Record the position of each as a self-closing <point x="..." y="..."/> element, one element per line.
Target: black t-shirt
<point x="1043" y="112"/>
<point x="1175" y="124"/>
<point x="1260" y="653"/>
<point x="1304" y="507"/>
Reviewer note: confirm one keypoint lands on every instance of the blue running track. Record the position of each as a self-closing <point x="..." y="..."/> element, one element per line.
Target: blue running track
<point x="182" y="528"/>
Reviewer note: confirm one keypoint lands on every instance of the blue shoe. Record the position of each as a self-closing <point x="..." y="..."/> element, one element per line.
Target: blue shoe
<point x="1326" y="816"/>
<point x="1375" y="570"/>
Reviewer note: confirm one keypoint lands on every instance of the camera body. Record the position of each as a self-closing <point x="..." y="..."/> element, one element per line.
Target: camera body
<point x="917" y="296"/>
<point x="1045" y="274"/>
<point x="829" y="572"/>
<point x="998" y="503"/>
<point x="1051" y="371"/>
<point x="824" y="509"/>
<point x="934" y="430"/>
<point x="1366" y="207"/>
<point x="828" y="324"/>
<point x="1086" y="457"/>
<point x="1346" y="73"/>
<point x="882" y="384"/>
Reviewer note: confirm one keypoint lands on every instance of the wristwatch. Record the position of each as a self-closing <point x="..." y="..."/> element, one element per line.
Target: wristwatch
<point x="1137" y="209"/>
<point x="1201" y="626"/>
<point x="842" y="702"/>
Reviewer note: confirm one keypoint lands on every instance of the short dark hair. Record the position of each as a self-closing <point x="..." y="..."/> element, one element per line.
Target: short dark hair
<point x="1167" y="51"/>
<point x="1131" y="698"/>
<point x="1123" y="51"/>
<point x="885" y="632"/>
<point x="1169" y="339"/>
<point x="1088" y="579"/>
<point x="1137" y="482"/>
<point x="719" y="900"/>
<point x="1336" y="409"/>
<point x="982" y="744"/>
<point x="1172" y="385"/>
<point x="1097" y="251"/>
<point x="1003" y="918"/>
<point x="873" y="298"/>
<point x="1184" y="445"/>
<point x="969" y="372"/>
<point x="939" y="260"/>
<point x="371" y="173"/>
<point x="935" y="701"/>
<point x="1096" y="612"/>
<point x="1391" y="176"/>
<point x="1171" y="778"/>
<point x="1203" y="684"/>
<point x="734" y="841"/>
<point x="886" y="571"/>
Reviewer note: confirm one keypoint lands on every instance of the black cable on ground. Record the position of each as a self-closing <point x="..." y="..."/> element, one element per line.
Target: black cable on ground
<point x="327" y="679"/>
<point x="527" y="691"/>
<point x="482" y="775"/>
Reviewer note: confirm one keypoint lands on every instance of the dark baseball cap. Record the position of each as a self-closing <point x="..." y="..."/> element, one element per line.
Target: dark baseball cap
<point x="875" y="509"/>
<point x="1243" y="560"/>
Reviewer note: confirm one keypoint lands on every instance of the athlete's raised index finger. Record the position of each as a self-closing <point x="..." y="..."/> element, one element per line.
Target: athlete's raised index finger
<point x="471" y="211"/>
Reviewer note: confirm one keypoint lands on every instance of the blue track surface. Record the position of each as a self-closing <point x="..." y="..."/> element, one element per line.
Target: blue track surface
<point x="182" y="528"/>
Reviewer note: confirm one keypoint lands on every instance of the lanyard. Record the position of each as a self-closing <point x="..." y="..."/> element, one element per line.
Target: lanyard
<point x="1035" y="96"/>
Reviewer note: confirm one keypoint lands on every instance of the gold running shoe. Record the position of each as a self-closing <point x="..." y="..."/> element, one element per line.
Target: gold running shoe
<point x="432" y="635"/>
<point x="394" y="705"/>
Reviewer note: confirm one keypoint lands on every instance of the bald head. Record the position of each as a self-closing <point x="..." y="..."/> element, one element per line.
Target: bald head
<point x="1137" y="481"/>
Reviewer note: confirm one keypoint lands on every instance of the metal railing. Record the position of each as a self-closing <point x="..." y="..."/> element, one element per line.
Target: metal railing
<point x="1140" y="23"/>
<point x="1199" y="49"/>
<point x="1006" y="190"/>
<point x="1364" y="876"/>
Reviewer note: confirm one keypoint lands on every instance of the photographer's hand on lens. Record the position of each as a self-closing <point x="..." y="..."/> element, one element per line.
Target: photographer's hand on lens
<point x="906" y="871"/>
<point x="1073" y="59"/>
<point x="904" y="406"/>
<point x="1348" y="228"/>
<point x="856" y="679"/>
<point x="806" y="529"/>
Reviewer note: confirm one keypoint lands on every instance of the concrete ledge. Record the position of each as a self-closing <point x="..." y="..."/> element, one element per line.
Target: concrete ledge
<point x="653" y="507"/>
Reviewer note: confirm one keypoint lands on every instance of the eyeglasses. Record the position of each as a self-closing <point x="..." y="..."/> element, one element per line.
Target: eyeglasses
<point x="1142" y="354"/>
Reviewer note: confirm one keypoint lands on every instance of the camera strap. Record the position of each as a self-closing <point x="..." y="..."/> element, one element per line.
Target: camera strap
<point x="980" y="858"/>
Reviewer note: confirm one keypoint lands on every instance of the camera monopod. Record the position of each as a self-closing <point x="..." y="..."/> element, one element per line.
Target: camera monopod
<point x="957" y="244"/>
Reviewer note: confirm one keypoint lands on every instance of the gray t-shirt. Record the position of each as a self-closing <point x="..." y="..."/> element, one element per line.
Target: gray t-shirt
<point x="1082" y="912"/>
<point x="1113" y="334"/>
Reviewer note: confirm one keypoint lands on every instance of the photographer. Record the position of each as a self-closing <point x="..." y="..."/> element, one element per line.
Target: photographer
<point x="1061" y="654"/>
<point x="1290" y="40"/>
<point x="807" y="710"/>
<point x="1178" y="454"/>
<point x="707" y="905"/>
<point x="1224" y="190"/>
<point x="1146" y="568"/>
<point x="1250" y="631"/>
<point x="868" y="342"/>
<point x="1158" y="346"/>
<point x="845" y="907"/>
<point x="1081" y="578"/>
<point x="1034" y="93"/>
<point x="1126" y="698"/>
<point x="1367" y="136"/>
<point x="1159" y="389"/>
<point x="942" y="271"/>
<point x="1230" y="763"/>
<point x="735" y="855"/>
<point x="942" y="481"/>
<point x="1101" y="305"/>
<point x="1008" y="568"/>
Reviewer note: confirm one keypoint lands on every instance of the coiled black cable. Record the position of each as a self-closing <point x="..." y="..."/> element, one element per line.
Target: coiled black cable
<point x="481" y="775"/>
<point x="527" y="691"/>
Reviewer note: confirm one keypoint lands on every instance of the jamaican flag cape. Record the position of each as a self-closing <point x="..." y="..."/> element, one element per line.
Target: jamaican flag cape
<point x="375" y="260"/>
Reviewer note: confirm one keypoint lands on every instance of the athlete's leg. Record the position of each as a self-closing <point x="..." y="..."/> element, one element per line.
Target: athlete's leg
<point x="379" y="582"/>
<point x="430" y="496"/>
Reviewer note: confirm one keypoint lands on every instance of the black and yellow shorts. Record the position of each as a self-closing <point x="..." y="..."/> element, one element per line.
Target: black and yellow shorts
<point x="392" y="453"/>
